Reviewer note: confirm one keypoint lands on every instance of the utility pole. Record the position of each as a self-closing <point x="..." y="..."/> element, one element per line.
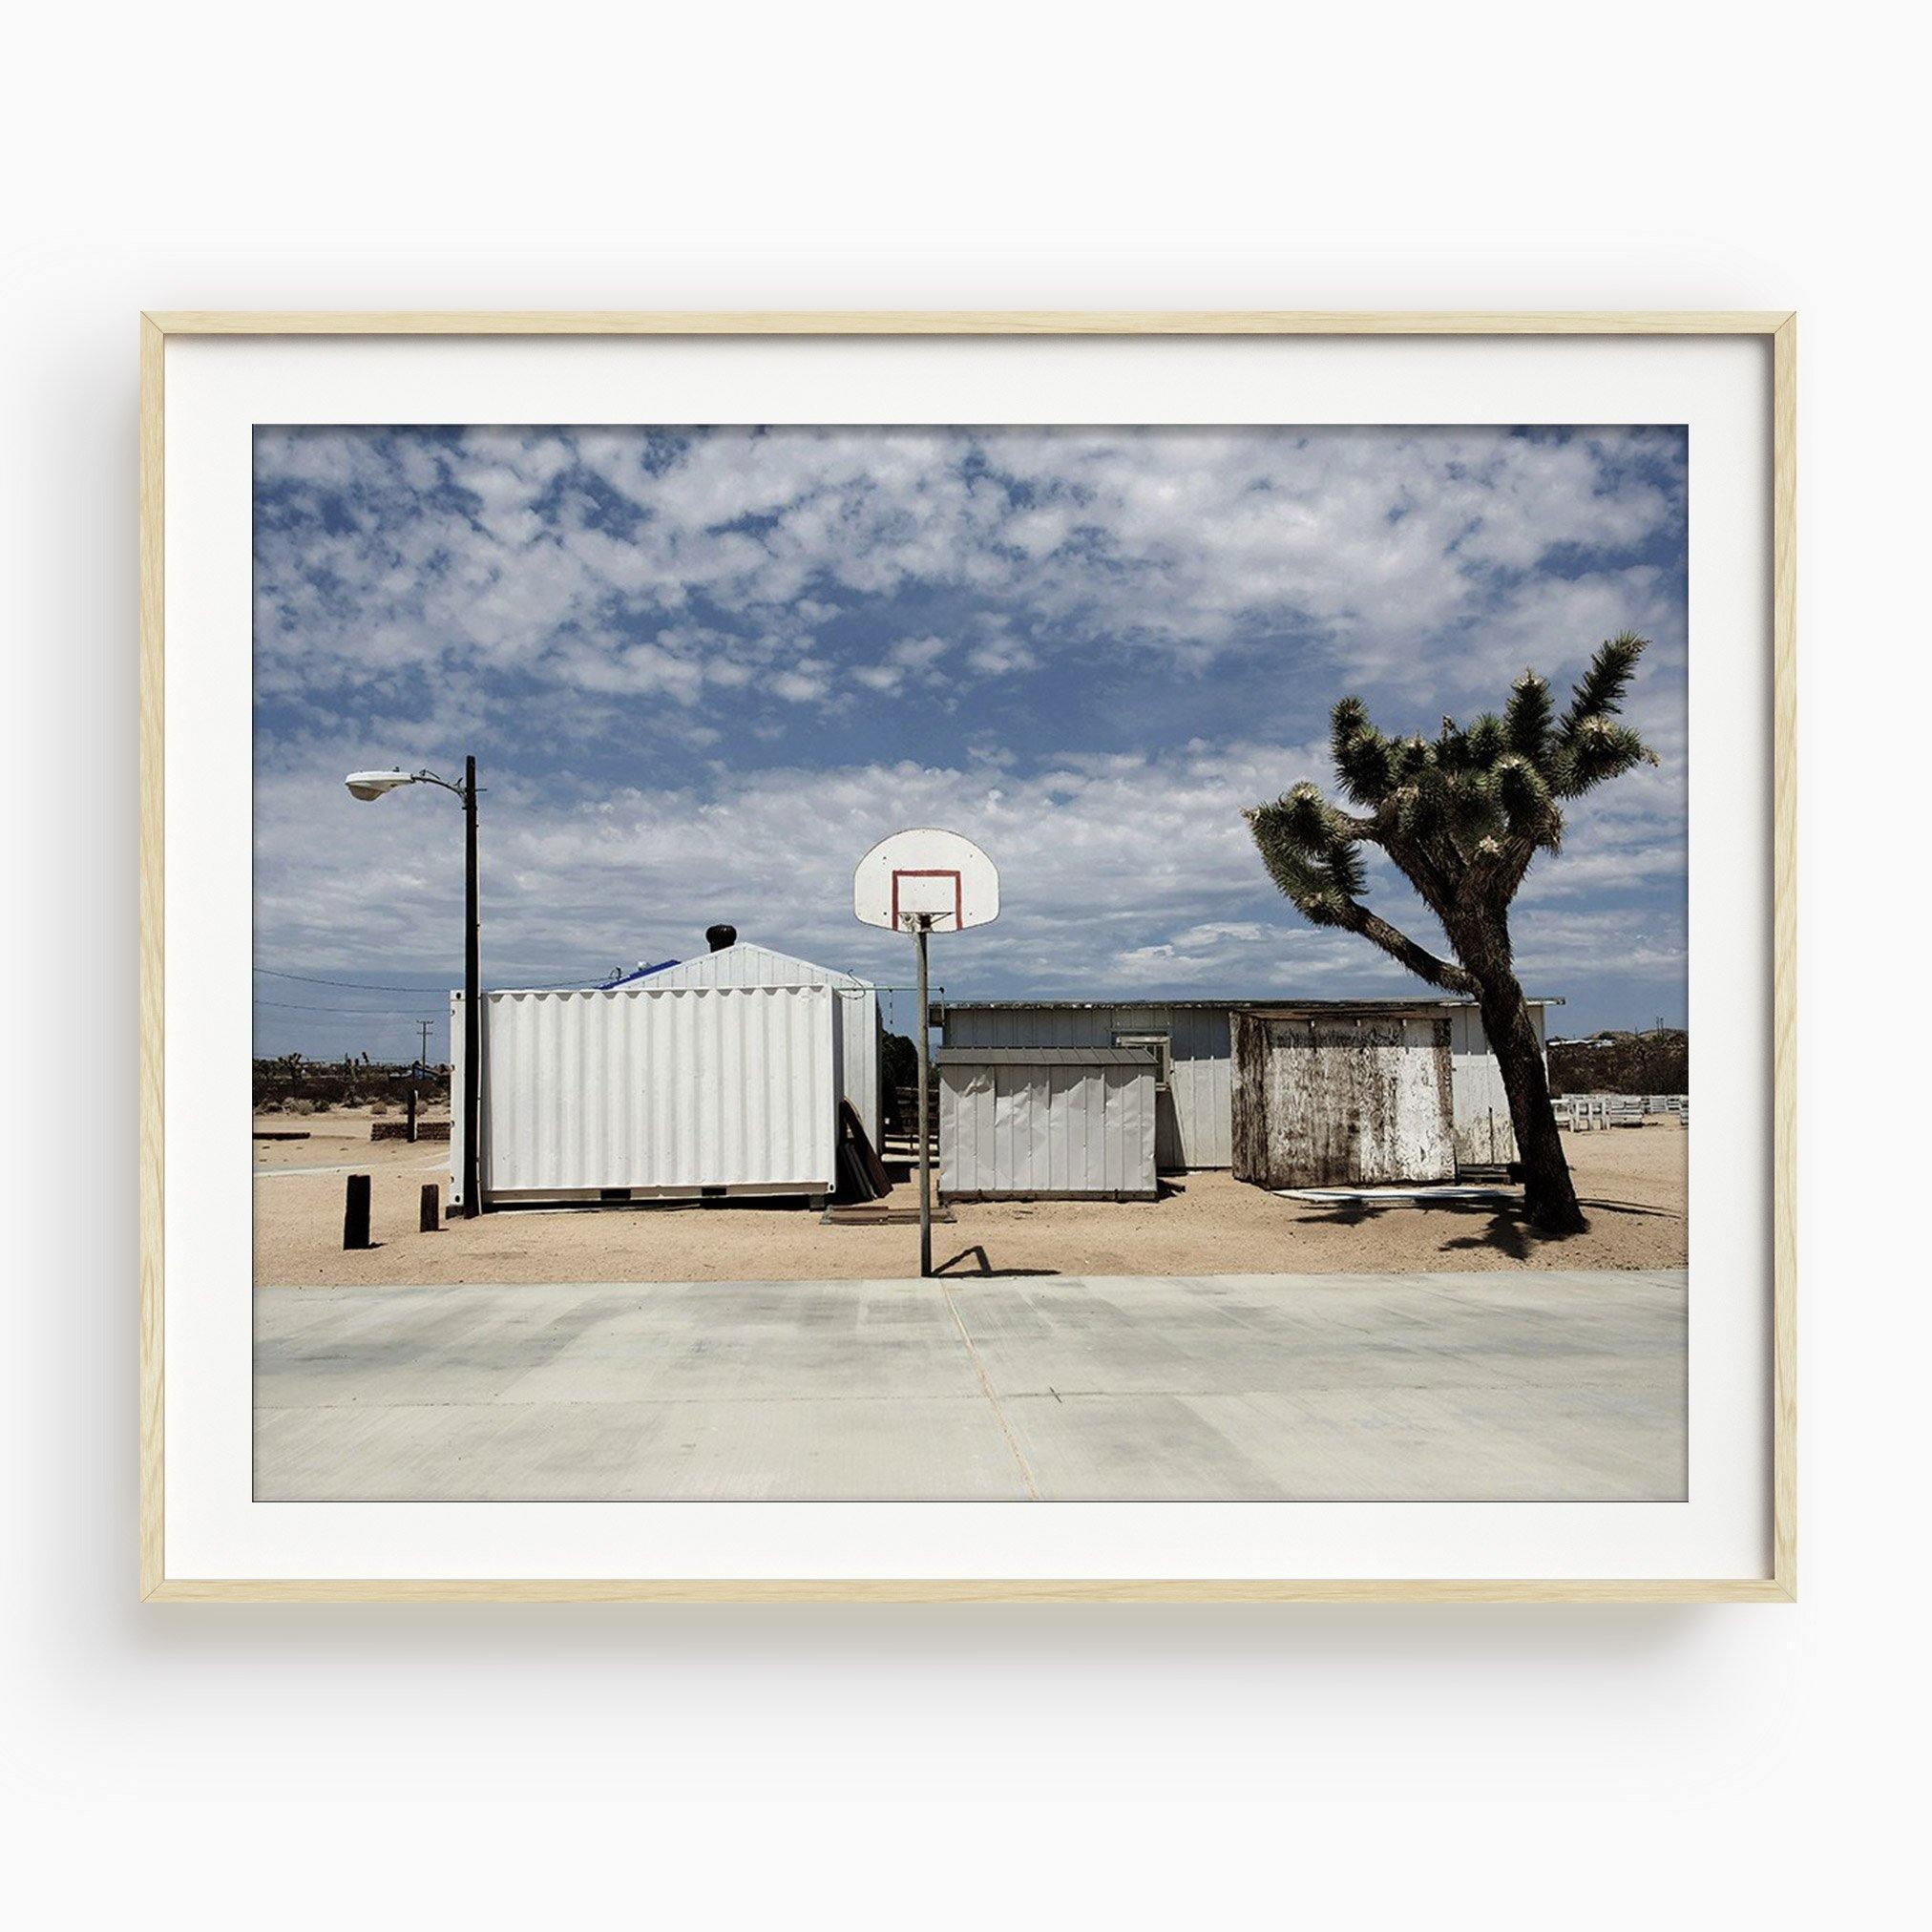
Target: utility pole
<point x="416" y="1074"/>
<point x="472" y="1006"/>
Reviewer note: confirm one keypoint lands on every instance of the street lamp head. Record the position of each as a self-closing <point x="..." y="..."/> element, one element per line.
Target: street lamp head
<point x="373" y="784"/>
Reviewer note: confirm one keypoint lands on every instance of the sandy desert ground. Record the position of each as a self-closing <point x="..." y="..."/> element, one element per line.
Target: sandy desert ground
<point x="1633" y="1183"/>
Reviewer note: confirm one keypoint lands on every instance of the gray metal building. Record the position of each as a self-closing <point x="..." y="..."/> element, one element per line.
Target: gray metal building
<point x="1046" y="1122"/>
<point x="1193" y="1075"/>
<point x="1193" y="1041"/>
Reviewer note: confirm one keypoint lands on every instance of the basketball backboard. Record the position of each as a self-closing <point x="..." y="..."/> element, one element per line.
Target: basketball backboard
<point x="926" y="878"/>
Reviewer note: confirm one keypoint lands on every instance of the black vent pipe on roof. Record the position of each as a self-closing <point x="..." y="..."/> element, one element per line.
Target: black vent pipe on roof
<point x="717" y="937"/>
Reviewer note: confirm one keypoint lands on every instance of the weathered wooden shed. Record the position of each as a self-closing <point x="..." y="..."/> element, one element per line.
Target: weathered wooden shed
<point x="1332" y="1097"/>
<point x="1046" y="1123"/>
<point x="1193" y="1042"/>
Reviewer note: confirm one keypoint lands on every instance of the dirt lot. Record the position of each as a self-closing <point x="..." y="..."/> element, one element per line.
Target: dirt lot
<point x="1632" y="1182"/>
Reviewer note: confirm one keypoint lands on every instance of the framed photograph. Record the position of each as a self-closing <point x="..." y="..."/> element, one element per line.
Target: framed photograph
<point x="967" y="957"/>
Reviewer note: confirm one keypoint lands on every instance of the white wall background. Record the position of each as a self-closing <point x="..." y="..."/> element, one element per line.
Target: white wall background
<point x="297" y="1767"/>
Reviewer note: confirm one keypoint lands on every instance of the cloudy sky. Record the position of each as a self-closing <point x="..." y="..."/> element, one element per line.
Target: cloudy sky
<point x="704" y="671"/>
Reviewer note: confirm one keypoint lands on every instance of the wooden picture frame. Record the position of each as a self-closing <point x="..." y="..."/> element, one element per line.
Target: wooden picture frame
<point x="1778" y="1584"/>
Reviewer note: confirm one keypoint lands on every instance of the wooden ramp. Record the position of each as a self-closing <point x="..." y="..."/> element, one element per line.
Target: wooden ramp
<point x="899" y="1209"/>
<point x="882" y="1214"/>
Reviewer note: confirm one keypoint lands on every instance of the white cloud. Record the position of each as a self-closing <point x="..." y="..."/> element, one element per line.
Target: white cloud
<point x="1115" y="871"/>
<point x="912" y="660"/>
<point x="1186" y="541"/>
<point x="527" y="591"/>
<point x="1001" y="658"/>
<point x="802" y="683"/>
<point x="919" y="654"/>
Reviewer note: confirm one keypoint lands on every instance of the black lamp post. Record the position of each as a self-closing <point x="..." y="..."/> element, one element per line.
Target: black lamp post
<point x="371" y="785"/>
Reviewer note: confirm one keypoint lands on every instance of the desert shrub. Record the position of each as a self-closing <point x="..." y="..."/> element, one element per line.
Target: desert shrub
<point x="297" y="1106"/>
<point x="1656" y="1063"/>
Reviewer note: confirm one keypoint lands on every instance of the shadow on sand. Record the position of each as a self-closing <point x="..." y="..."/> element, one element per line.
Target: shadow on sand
<point x="985" y="1269"/>
<point x="1507" y="1232"/>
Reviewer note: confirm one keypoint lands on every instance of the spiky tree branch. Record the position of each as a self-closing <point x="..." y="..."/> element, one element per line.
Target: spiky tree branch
<point x="1311" y="852"/>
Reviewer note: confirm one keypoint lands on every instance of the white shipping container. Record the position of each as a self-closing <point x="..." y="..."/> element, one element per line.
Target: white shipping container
<point x="654" y="1091"/>
<point x="745" y="963"/>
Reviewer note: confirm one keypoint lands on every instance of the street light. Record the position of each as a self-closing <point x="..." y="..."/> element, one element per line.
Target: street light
<point x="367" y="785"/>
<point x="374" y="784"/>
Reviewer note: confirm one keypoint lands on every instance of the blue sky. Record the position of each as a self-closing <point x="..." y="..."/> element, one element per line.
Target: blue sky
<point x="704" y="671"/>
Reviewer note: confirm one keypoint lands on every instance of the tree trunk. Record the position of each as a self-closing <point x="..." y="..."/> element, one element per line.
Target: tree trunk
<point x="1549" y="1196"/>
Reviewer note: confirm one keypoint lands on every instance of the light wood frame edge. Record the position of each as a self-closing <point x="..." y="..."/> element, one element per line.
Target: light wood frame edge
<point x="150" y="1124"/>
<point x="1780" y="325"/>
<point x="973" y="1590"/>
<point x="968" y="321"/>
<point x="1784" y="953"/>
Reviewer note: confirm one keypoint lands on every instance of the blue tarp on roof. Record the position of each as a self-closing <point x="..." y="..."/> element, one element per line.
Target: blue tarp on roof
<point x="640" y="973"/>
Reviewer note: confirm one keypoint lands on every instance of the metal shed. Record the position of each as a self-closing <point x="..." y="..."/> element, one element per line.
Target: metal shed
<point x="1194" y="1037"/>
<point x="1046" y="1123"/>
<point x="740" y="964"/>
<point x="645" y="1090"/>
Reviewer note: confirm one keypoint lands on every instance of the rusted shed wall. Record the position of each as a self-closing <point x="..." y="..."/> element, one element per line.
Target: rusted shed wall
<point x="1338" y="1101"/>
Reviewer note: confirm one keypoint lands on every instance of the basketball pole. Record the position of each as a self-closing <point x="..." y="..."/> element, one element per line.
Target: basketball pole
<point x="919" y="933"/>
<point x="945" y="877"/>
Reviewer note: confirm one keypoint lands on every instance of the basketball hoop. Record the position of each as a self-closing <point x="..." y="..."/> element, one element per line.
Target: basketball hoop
<point x="923" y="882"/>
<point x="931" y="879"/>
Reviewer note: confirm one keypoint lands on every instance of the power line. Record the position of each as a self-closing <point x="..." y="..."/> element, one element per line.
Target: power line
<point x="584" y="982"/>
<point x="587" y="980"/>
<point x="346" y="985"/>
<point x="392" y="1014"/>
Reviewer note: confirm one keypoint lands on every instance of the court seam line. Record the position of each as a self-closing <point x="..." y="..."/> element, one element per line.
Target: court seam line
<point x="986" y="1383"/>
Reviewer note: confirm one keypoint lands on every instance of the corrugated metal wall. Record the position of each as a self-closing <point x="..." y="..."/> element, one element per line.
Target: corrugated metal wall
<point x="1193" y="1116"/>
<point x="658" y="1089"/>
<point x="749" y="964"/>
<point x="1048" y="1128"/>
<point x="745" y="963"/>
<point x="1342" y="1101"/>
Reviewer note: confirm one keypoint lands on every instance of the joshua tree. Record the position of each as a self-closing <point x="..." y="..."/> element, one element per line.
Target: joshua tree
<point x="1463" y="817"/>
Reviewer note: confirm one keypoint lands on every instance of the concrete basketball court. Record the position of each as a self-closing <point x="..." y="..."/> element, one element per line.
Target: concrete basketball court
<point x="1543" y="1386"/>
